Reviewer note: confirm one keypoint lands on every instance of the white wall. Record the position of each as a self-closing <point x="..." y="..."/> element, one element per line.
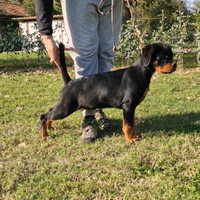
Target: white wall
<point x="59" y="33"/>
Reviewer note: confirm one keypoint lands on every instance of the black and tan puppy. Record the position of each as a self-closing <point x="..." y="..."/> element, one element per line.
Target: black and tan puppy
<point x="123" y="88"/>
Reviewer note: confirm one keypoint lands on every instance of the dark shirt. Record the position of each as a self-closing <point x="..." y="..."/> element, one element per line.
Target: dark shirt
<point x="44" y="14"/>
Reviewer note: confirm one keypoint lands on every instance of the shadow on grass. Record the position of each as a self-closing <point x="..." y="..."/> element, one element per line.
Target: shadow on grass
<point x="169" y="125"/>
<point x="187" y="123"/>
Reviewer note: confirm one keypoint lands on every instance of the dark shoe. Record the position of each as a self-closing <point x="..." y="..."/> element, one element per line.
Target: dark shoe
<point x="90" y="129"/>
<point x="103" y="122"/>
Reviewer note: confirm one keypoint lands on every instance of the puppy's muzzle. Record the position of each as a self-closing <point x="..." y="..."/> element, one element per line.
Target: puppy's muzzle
<point x="174" y="66"/>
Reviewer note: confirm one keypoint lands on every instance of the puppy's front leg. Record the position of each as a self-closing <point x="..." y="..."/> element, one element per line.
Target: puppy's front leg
<point x="129" y="126"/>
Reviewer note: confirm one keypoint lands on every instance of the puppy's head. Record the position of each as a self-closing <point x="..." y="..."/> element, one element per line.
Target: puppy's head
<point x="158" y="57"/>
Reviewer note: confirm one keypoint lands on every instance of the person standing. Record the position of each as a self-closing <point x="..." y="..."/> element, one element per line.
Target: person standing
<point x="93" y="28"/>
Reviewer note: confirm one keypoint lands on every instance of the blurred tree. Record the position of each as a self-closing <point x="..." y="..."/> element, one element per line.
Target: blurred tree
<point x="196" y="5"/>
<point x="57" y="6"/>
<point x="149" y="12"/>
<point x="29" y="6"/>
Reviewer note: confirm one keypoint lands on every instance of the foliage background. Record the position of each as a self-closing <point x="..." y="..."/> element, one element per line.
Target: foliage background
<point x="158" y="21"/>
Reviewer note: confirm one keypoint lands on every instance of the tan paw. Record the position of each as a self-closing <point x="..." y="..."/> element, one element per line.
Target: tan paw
<point x="46" y="137"/>
<point x="50" y="128"/>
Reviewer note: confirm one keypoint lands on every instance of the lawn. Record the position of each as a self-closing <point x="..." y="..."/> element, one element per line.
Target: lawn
<point x="163" y="164"/>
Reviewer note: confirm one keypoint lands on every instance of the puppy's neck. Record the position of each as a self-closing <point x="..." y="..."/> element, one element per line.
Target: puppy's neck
<point x="147" y="71"/>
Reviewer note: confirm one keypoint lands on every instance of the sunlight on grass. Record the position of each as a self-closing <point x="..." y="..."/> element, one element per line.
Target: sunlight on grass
<point x="164" y="163"/>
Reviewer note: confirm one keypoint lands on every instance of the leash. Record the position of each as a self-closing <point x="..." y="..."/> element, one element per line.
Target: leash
<point x="112" y="19"/>
<point x="101" y="12"/>
<point x="138" y="33"/>
<point x="112" y="23"/>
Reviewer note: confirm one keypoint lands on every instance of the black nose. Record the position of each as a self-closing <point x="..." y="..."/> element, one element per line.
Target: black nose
<point x="174" y="65"/>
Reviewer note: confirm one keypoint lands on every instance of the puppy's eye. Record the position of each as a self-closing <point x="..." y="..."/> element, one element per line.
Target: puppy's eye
<point x="163" y="59"/>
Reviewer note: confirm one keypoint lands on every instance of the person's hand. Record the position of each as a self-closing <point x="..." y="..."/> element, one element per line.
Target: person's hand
<point x="53" y="50"/>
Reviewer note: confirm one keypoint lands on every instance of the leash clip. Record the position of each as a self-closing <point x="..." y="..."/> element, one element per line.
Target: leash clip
<point x="101" y="12"/>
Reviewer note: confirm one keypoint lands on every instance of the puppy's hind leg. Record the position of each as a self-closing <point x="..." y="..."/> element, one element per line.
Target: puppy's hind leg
<point x="58" y="112"/>
<point x="43" y="126"/>
<point x="49" y="124"/>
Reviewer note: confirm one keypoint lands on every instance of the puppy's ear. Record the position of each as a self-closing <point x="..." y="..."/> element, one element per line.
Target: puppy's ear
<point x="146" y="54"/>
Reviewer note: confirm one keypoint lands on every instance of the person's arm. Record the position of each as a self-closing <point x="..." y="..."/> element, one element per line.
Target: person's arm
<point x="44" y="14"/>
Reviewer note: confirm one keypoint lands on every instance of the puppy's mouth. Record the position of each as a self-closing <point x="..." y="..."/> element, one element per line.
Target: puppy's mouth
<point x="166" y="69"/>
<point x="173" y="69"/>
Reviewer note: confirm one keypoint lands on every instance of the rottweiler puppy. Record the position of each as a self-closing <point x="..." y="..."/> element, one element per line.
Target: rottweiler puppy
<point x="124" y="88"/>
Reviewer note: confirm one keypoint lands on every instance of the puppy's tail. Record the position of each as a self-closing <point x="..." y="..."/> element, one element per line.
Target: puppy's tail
<point x="65" y="75"/>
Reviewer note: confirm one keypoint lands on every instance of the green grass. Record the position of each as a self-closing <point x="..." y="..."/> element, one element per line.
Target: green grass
<point x="12" y="62"/>
<point x="19" y="59"/>
<point x="164" y="164"/>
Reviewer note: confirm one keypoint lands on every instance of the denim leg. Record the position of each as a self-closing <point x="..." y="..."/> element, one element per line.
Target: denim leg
<point x="105" y="53"/>
<point x="90" y="34"/>
<point x="81" y="22"/>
